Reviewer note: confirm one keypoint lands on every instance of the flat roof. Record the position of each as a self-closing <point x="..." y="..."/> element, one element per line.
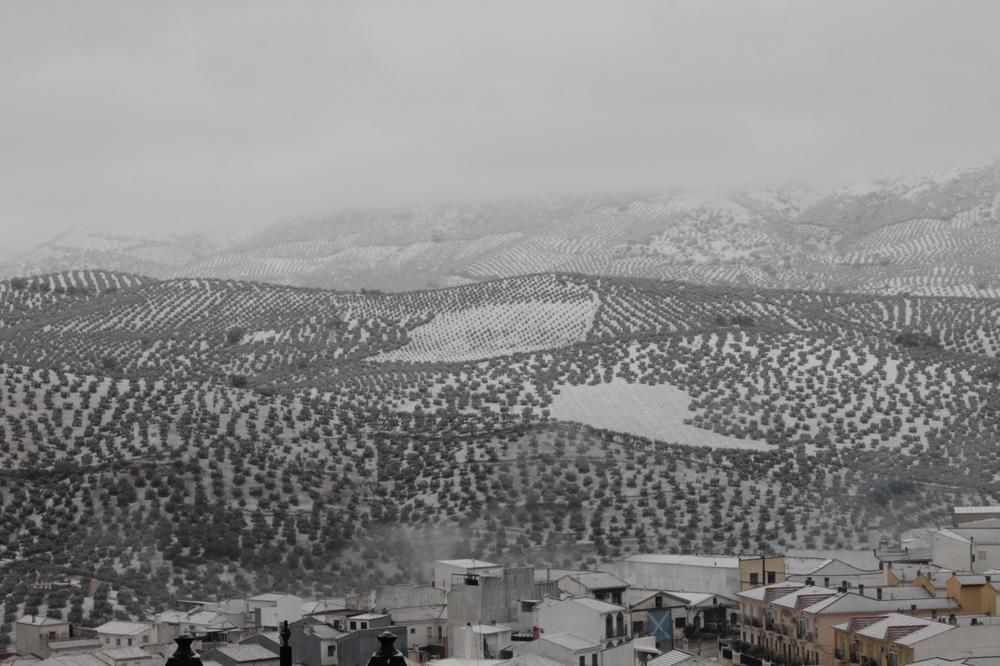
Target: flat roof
<point x="123" y="628"/>
<point x="720" y="561"/>
<point x="468" y="563"/>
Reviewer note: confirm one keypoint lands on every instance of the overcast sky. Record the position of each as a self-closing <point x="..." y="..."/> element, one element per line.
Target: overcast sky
<point x="183" y="116"/>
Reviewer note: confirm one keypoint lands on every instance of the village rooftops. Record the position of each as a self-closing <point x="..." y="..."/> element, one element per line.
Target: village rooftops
<point x="571" y="642"/>
<point x="762" y="593"/>
<point x="900" y="629"/>
<point x="75" y="644"/>
<point x="126" y="653"/>
<point x="122" y="628"/>
<point x="549" y="575"/>
<point x="529" y="660"/>
<point x="323" y="606"/>
<point x="323" y="632"/>
<point x="810" y="592"/>
<point x="269" y="597"/>
<point x="968" y="510"/>
<point x="594" y="604"/>
<point x="855" y="603"/>
<point x="635" y="596"/>
<point x="40" y="621"/>
<point x="367" y="617"/>
<point x="419" y="614"/>
<point x="71" y="660"/>
<point x="717" y="561"/>
<point x="468" y="564"/>
<point x="702" y="598"/>
<point x="678" y="657"/>
<point x="245" y="653"/>
<point x="598" y="580"/>
<point x="488" y="629"/>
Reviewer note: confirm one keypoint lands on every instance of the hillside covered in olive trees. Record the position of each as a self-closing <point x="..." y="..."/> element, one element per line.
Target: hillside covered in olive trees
<point x="201" y="437"/>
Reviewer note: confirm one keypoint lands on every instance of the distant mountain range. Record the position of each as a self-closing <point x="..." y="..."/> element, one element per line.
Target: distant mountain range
<point x="930" y="235"/>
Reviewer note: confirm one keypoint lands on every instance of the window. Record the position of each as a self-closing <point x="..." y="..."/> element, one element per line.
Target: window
<point x="583" y="660"/>
<point x="118" y="641"/>
<point x="754" y="579"/>
<point x="354" y="625"/>
<point x="680" y="623"/>
<point x="593" y="659"/>
<point x="331" y="650"/>
<point x="145" y="639"/>
<point x="130" y="642"/>
<point x="413" y="630"/>
<point x="440" y="634"/>
<point x="364" y="625"/>
<point x="52" y="634"/>
<point x="770" y="577"/>
<point x="982" y="556"/>
<point x="659" y="601"/>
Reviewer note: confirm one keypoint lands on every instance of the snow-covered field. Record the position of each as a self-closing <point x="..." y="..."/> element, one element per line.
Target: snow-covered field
<point x="656" y="412"/>
<point x="495" y="330"/>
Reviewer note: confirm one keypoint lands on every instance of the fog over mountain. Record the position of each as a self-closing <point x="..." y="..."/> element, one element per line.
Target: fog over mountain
<point x="227" y="117"/>
<point x="934" y="234"/>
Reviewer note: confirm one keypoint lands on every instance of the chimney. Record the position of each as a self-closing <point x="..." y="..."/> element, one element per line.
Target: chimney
<point x="387" y="654"/>
<point x="184" y="655"/>
<point x="285" y="651"/>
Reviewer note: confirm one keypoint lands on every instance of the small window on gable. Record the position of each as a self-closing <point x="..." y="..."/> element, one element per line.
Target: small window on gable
<point x="331" y="650"/>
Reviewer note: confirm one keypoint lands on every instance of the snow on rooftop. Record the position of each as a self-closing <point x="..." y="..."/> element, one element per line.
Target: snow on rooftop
<point x="570" y="641"/>
<point x="249" y="652"/>
<point x="721" y="561"/>
<point x="468" y="564"/>
<point x="122" y="628"/>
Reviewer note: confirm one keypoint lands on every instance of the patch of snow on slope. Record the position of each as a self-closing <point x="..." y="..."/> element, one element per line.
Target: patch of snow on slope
<point x="497" y="330"/>
<point x="656" y="412"/>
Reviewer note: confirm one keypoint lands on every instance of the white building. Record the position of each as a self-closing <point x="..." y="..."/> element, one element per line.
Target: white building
<point x="480" y="641"/>
<point x="445" y="570"/>
<point x="125" y="656"/>
<point x="126" y="634"/>
<point x="696" y="573"/>
<point x="596" y="621"/>
<point x="270" y="610"/>
<point x="33" y="633"/>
